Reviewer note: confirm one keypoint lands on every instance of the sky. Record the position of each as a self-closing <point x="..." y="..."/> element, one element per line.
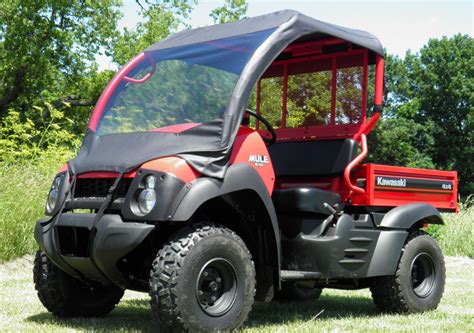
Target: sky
<point x="400" y="25"/>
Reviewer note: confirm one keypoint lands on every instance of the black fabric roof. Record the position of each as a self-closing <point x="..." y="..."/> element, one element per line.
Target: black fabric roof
<point x="297" y="24"/>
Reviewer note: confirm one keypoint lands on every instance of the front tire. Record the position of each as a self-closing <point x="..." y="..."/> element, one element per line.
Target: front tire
<point x="418" y="283"/>
<point x="203" y="279"/>
<point x="65" y="296"/>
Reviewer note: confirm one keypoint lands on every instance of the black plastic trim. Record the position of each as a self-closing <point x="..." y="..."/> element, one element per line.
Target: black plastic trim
<point x="63" y="188"/>
<point x="387" y="253"/>
<point x="238" y="177"/>
<point x="113" y="239"/>
<point x="167" y="189"/>
<point x="404" y="217"/>
<point x="378" y="108"/>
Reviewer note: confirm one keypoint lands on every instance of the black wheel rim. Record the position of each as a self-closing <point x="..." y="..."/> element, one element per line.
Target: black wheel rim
<point x="423" y="275"/>
<point x="216" y="287"/>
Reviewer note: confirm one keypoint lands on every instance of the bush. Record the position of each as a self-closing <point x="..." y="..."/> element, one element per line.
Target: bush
<point x="23" y="190"/>
<point x="22" y="140"/>
<point x="456" y="237"/>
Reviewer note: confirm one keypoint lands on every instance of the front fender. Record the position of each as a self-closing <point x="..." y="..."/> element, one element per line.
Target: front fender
<point x="238" y="177"/>
<point x="404" y="217"/>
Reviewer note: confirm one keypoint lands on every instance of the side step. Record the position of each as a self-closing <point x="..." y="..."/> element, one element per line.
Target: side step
<point x="299" y="275"/>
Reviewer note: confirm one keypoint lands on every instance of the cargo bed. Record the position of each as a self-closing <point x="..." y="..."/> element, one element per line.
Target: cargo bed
<point x="390" y="186"/>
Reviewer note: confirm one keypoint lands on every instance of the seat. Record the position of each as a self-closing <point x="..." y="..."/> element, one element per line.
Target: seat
<point x="299" y="200"/>
<point x="318" y="158"/>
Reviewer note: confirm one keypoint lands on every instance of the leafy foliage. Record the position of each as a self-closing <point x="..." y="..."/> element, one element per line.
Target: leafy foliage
<point x="47" y="47"/>
<point x="160" y="19"/>
<point x="232" y="10"/>
<point x="25" y="140"/>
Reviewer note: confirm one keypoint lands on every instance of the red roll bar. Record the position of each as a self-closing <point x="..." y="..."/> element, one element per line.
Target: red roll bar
<point x="355" y="162"/>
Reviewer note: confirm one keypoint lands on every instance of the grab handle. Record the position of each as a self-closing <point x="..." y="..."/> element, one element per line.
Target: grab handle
<point x="355" y="162"/>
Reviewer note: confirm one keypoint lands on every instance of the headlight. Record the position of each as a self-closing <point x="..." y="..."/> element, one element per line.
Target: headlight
<point x="53" y="195"/>
<point x="146" y="200"/>
<point x="150" y="182"/>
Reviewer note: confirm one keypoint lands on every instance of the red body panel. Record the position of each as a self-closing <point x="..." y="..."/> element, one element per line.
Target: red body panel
<point x="64" y="168"/>
<point x="249" y="148"/>
<point x="444" y="197"/>
<point x="174" y="165"/>
<point x="130" y="174"/>
<point x="176" y="128"/>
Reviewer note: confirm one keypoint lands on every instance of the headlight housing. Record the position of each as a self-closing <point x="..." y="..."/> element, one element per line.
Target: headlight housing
<point x="147" y="197"/>
<point x="53" y="195"/>
<point x="146" y="201"/>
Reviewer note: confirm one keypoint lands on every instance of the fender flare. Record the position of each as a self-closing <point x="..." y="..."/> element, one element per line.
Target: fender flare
<point x="238" y="177"/>
<point x="395" y="226"/>
<point x="405" y="216"/>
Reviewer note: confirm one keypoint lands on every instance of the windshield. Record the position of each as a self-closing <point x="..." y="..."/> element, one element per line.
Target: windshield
<point x="177" y="93"/>
<point x="185" y="86"/>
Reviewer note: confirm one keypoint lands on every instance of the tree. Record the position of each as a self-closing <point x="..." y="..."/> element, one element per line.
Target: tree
<point x="160" y="19"/>
<point x="232" y="10"/>
<point x="431" y="93"/>
<point x="443" y="81"/>
<point x="48" y="46"/>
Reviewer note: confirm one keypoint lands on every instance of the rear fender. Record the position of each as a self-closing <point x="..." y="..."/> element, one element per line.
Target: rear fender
<point x="396" y="223"/>
<point x="404" y="217"/>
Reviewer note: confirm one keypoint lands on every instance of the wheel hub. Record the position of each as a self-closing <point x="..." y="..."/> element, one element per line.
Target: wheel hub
<point x="423" y="275"/>
<point x="216" y="287"/>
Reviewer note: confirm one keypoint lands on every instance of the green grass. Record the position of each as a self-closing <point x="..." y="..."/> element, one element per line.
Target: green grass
<point x="21" y="311"/>
<point x="456" y="237"/>
<point x="23" y="191"/>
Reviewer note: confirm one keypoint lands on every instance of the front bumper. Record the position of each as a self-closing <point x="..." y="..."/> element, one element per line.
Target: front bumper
<point x="87" y="253"/>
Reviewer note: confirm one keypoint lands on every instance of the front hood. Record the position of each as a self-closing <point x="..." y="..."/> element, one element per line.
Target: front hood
<point x="123" y="152"/>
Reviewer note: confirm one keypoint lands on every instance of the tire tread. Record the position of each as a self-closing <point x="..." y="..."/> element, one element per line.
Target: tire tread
<point x="166" y="267"/>
<point x="387" y="292"/>
<point x="52" y="285"/>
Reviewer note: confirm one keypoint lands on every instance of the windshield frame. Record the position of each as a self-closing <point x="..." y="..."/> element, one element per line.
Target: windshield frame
<point x="110" y="89"/>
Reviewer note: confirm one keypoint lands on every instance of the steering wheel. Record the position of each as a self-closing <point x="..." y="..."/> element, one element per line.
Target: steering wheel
<point x="268" y="141"/>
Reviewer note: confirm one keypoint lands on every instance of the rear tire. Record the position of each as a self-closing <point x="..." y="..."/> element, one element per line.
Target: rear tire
<point x="291" y="292"/>
<point x="418" y="283"/>
<point x="65" y="296"/>
<point x="203" y="279"/>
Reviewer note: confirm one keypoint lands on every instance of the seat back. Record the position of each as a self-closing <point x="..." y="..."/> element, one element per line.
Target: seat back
<point x="317" y="158"/>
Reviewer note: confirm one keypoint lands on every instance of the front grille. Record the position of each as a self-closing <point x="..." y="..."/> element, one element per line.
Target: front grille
<point x="74" y="241"/>
<point x="98" y="187"/>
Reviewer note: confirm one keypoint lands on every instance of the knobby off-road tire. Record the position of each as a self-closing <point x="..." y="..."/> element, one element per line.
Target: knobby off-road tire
<point x="203" y="279"/>
<point x="418" y="283"/>
<point x="291" y="292"/>
<point x="65" y="296"/>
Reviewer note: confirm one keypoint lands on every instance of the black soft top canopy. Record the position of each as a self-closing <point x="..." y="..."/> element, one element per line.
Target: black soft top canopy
<point x="245" y="48"/>
<point x="293" y="24"/>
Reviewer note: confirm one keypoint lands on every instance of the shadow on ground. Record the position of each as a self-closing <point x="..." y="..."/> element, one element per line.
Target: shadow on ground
<point x="135" y="314"/>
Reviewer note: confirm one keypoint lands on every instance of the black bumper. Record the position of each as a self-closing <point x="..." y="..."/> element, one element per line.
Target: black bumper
<point x="74" y="246"/>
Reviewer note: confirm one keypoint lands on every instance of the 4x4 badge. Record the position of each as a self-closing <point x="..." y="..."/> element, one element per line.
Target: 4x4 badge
<point x="259" y="160"/>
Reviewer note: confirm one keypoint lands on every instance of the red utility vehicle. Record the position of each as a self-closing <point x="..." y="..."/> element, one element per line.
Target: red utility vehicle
<point x="181" y="190"/>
